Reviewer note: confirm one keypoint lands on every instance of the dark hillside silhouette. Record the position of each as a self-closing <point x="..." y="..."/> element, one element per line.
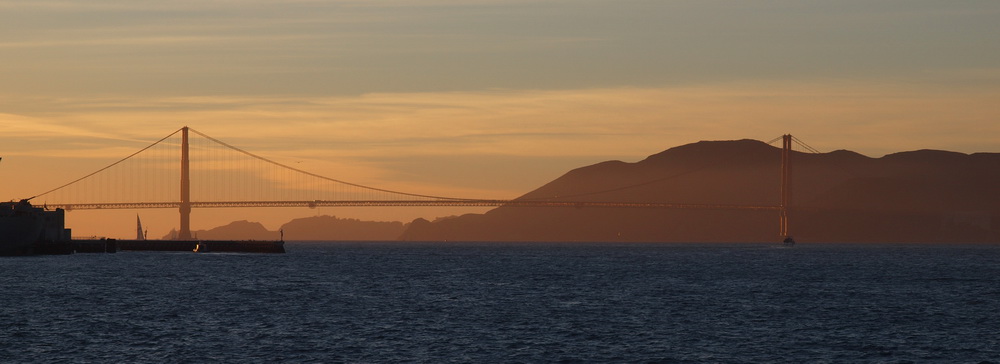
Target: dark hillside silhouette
<point x="918" y="196"/>
<point x="324" y="228"/>
<point x="333" y="228"/>
<point x="236" y="230"/>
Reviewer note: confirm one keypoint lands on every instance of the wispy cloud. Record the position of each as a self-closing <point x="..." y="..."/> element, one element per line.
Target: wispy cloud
<point x="152" y="41"/>
<point x="18" y="127"/>
<point x="612" y="122"/>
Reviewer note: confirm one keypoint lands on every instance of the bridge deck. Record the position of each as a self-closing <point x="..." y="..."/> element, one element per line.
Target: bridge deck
<point x="409" y="203"/>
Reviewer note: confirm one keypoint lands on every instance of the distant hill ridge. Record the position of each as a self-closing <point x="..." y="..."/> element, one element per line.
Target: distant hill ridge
<point x="308" y="228"/>
<point x="841" y="196"/>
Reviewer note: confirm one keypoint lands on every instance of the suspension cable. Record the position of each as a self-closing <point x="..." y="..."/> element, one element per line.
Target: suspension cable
<point x="804" y="145"/>
<point x="374" y="189"/>
<point x="324" y="177"/>
<point x="774" y="140"/>
<point x="105" y="168"/>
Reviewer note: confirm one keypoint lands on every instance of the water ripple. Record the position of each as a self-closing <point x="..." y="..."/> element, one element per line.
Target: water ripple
<point x="516" y="303"/>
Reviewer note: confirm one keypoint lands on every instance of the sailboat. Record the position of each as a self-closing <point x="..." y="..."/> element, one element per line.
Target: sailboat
<point x="139" y="234"/>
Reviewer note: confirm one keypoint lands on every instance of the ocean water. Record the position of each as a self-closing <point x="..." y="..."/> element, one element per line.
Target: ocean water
<point x="508" y="302"/>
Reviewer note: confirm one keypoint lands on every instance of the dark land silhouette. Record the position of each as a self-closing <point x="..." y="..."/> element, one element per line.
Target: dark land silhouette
<point x="308" y="228"/>
<point x="841" y="196"/>
<point x="236" y="230"/>
<point x="332" y="228"/>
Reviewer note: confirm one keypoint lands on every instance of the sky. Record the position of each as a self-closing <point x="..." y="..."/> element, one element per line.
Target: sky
<point x="483" y="98"/>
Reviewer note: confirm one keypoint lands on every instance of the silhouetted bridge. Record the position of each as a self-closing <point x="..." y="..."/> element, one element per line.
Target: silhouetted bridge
<point x="406" y="203"/>
<point x="232" y="177"/>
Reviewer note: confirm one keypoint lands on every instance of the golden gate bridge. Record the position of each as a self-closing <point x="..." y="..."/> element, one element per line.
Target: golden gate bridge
<point x="215" y="174"/>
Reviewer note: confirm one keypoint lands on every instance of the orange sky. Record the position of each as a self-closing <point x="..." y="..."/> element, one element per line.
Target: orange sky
<point x="476" y="97"/>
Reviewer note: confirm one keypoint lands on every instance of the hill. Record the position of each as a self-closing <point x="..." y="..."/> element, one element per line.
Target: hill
<point x="310" y="228"/>
<point x="236" y="230"/>
<point x="333" y="228"/>
<point x="841" y="196"/>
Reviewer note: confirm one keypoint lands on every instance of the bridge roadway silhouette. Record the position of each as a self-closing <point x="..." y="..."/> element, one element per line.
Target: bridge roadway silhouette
<point x="185" y="204"/>
<point x="405" y="203"/>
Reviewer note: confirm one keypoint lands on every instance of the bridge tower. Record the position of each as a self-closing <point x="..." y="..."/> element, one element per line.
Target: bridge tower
<point x="786" y="186"/>
<point x="185" y="209"/>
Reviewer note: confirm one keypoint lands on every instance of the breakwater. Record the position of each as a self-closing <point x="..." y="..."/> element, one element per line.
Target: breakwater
<point x="217" y="246"/>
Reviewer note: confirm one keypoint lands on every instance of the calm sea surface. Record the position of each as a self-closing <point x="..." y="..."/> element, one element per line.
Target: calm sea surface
<point x="502" y="302"/>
